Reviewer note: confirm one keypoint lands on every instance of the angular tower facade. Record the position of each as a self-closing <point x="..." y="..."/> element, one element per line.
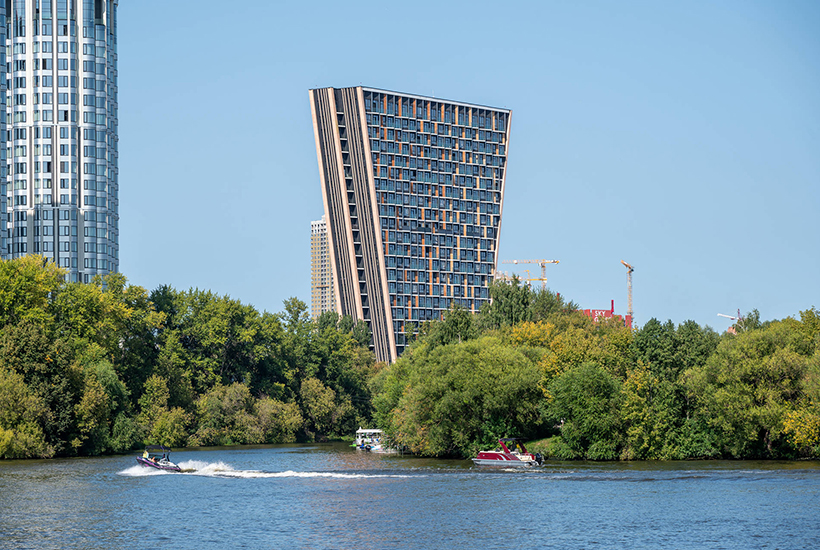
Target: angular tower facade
<point x="413" y="190"/>
<point x="61" y="168"/>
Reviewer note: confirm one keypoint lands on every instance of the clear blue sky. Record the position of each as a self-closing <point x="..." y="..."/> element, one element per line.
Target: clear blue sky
<point x="682" y="137"/>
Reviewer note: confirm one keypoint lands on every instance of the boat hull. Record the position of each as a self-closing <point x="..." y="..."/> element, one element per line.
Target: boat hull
<point x="504" y="463"/>
<point x="379" y="449"/>
<point x="166" y="466"/>
<point x="510" y="453"/>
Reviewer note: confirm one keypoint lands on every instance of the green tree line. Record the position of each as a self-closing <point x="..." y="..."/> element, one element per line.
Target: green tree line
<point x="532" y="366"/>
<point x="107" y="367"/>
<point x="87" y="369"/>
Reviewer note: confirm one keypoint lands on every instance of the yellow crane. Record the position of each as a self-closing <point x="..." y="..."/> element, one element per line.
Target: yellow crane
<point x="629" y="270"/>
<point x="542" y="263"/>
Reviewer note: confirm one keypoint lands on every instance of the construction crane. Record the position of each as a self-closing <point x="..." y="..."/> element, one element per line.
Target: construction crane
<point x="629" y="270"/>
<point x="528" y="279"/>
<point x="542" y="263"/>
<point x="738" y="324"/>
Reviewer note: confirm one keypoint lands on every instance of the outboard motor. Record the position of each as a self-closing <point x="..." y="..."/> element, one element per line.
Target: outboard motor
<point x="538" y="458"/>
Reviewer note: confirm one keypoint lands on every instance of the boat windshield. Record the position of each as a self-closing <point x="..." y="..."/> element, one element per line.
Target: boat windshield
<point x="156" y="452"/>
<point x="513" y="445"/>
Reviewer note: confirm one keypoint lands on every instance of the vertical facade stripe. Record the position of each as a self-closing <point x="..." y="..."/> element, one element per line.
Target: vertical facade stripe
<point x="324" y="115"/>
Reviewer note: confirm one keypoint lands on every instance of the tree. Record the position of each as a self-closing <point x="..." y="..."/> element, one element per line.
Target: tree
<point x="137" y="330"/>
<point x="585" y="404"/>
<point x="22" y="415"/>
<point x="320" y="408"/>
<point x="457" y="398"/>
<point x="545" y="305"/>
<point x="361" y="334"/>
<point x="751" y="321"/>
<point x="218" y="340"/>
<point x="509" y="304"/>
<point x="104" y="398"/>
<point x="605" y="343"/>
<point x="50" y="371"/>
<point x="161" y="424"/>
<point x="278" y="421"/>
<point x="746" y="389"/>
<point x="458" y="325"/>
<point x="225" y="416"/>
<point x="651" y="416"/>
<point x="344" y="366"/>
<point x="27" y="287"/>
<point x="297" y="345"/>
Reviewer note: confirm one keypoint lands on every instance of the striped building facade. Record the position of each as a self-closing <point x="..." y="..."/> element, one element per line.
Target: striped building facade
<point x="413" y="190"/>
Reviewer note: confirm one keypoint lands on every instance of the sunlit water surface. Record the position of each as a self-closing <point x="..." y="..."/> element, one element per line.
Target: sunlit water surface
<point x="332" y="496"/>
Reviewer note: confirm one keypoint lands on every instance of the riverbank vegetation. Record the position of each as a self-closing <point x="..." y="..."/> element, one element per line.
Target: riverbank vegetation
<point x="106" y="367"/>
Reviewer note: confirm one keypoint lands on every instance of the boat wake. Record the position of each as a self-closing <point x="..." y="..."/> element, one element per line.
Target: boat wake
<point x="142" y="471"/>
<point x="222" y="470"/>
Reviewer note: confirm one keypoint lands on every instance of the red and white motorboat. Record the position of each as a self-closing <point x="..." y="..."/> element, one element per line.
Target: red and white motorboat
<point x="510" y="454"/>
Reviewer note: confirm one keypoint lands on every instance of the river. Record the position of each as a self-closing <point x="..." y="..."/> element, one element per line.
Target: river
<point x="331" y="496"/>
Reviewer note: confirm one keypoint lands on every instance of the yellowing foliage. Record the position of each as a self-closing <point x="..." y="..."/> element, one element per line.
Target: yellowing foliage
<point x="803" y="428"/>
<point x="538" y="334"/>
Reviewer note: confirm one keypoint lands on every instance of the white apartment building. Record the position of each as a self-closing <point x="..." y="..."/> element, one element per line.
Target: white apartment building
<point x="59" y="165"/>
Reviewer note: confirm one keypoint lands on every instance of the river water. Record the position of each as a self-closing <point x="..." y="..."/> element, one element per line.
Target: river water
<point x="332" y="496"/>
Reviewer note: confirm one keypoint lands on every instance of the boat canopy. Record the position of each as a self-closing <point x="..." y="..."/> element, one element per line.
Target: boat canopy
<point x="362" y="431"/>
<point x="157" y="449"/>
<point x="512" y="444"/>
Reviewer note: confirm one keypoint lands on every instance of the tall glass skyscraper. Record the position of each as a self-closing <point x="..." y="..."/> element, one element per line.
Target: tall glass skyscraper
<point x="413" y="190"/>
<point x="60" y="159"/>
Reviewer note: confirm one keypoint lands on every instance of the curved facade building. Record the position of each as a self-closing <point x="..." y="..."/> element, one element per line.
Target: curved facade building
<point x="413" y="189"/>
<point x="60" y="159"/>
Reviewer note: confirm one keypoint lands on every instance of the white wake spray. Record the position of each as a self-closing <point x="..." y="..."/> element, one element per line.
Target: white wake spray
<point x="220" y="469"/>
<point x="142" y="471"/>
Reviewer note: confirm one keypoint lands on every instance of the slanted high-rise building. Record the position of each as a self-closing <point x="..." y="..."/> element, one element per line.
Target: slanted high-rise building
<point x="4" y="234"/>
<point x="60" y="173"/>
<point x="413" y="190"/>
<point x="321" y="273"/>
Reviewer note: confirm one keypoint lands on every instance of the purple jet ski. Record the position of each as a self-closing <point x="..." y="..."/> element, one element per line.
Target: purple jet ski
<point x="157" y="456"/>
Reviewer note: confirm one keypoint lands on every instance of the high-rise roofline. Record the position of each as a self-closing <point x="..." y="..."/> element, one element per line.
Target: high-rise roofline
<point x="422" y="97"/>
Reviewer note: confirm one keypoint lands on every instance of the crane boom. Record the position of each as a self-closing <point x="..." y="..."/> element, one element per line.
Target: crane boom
<point x="542" y="263"/>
